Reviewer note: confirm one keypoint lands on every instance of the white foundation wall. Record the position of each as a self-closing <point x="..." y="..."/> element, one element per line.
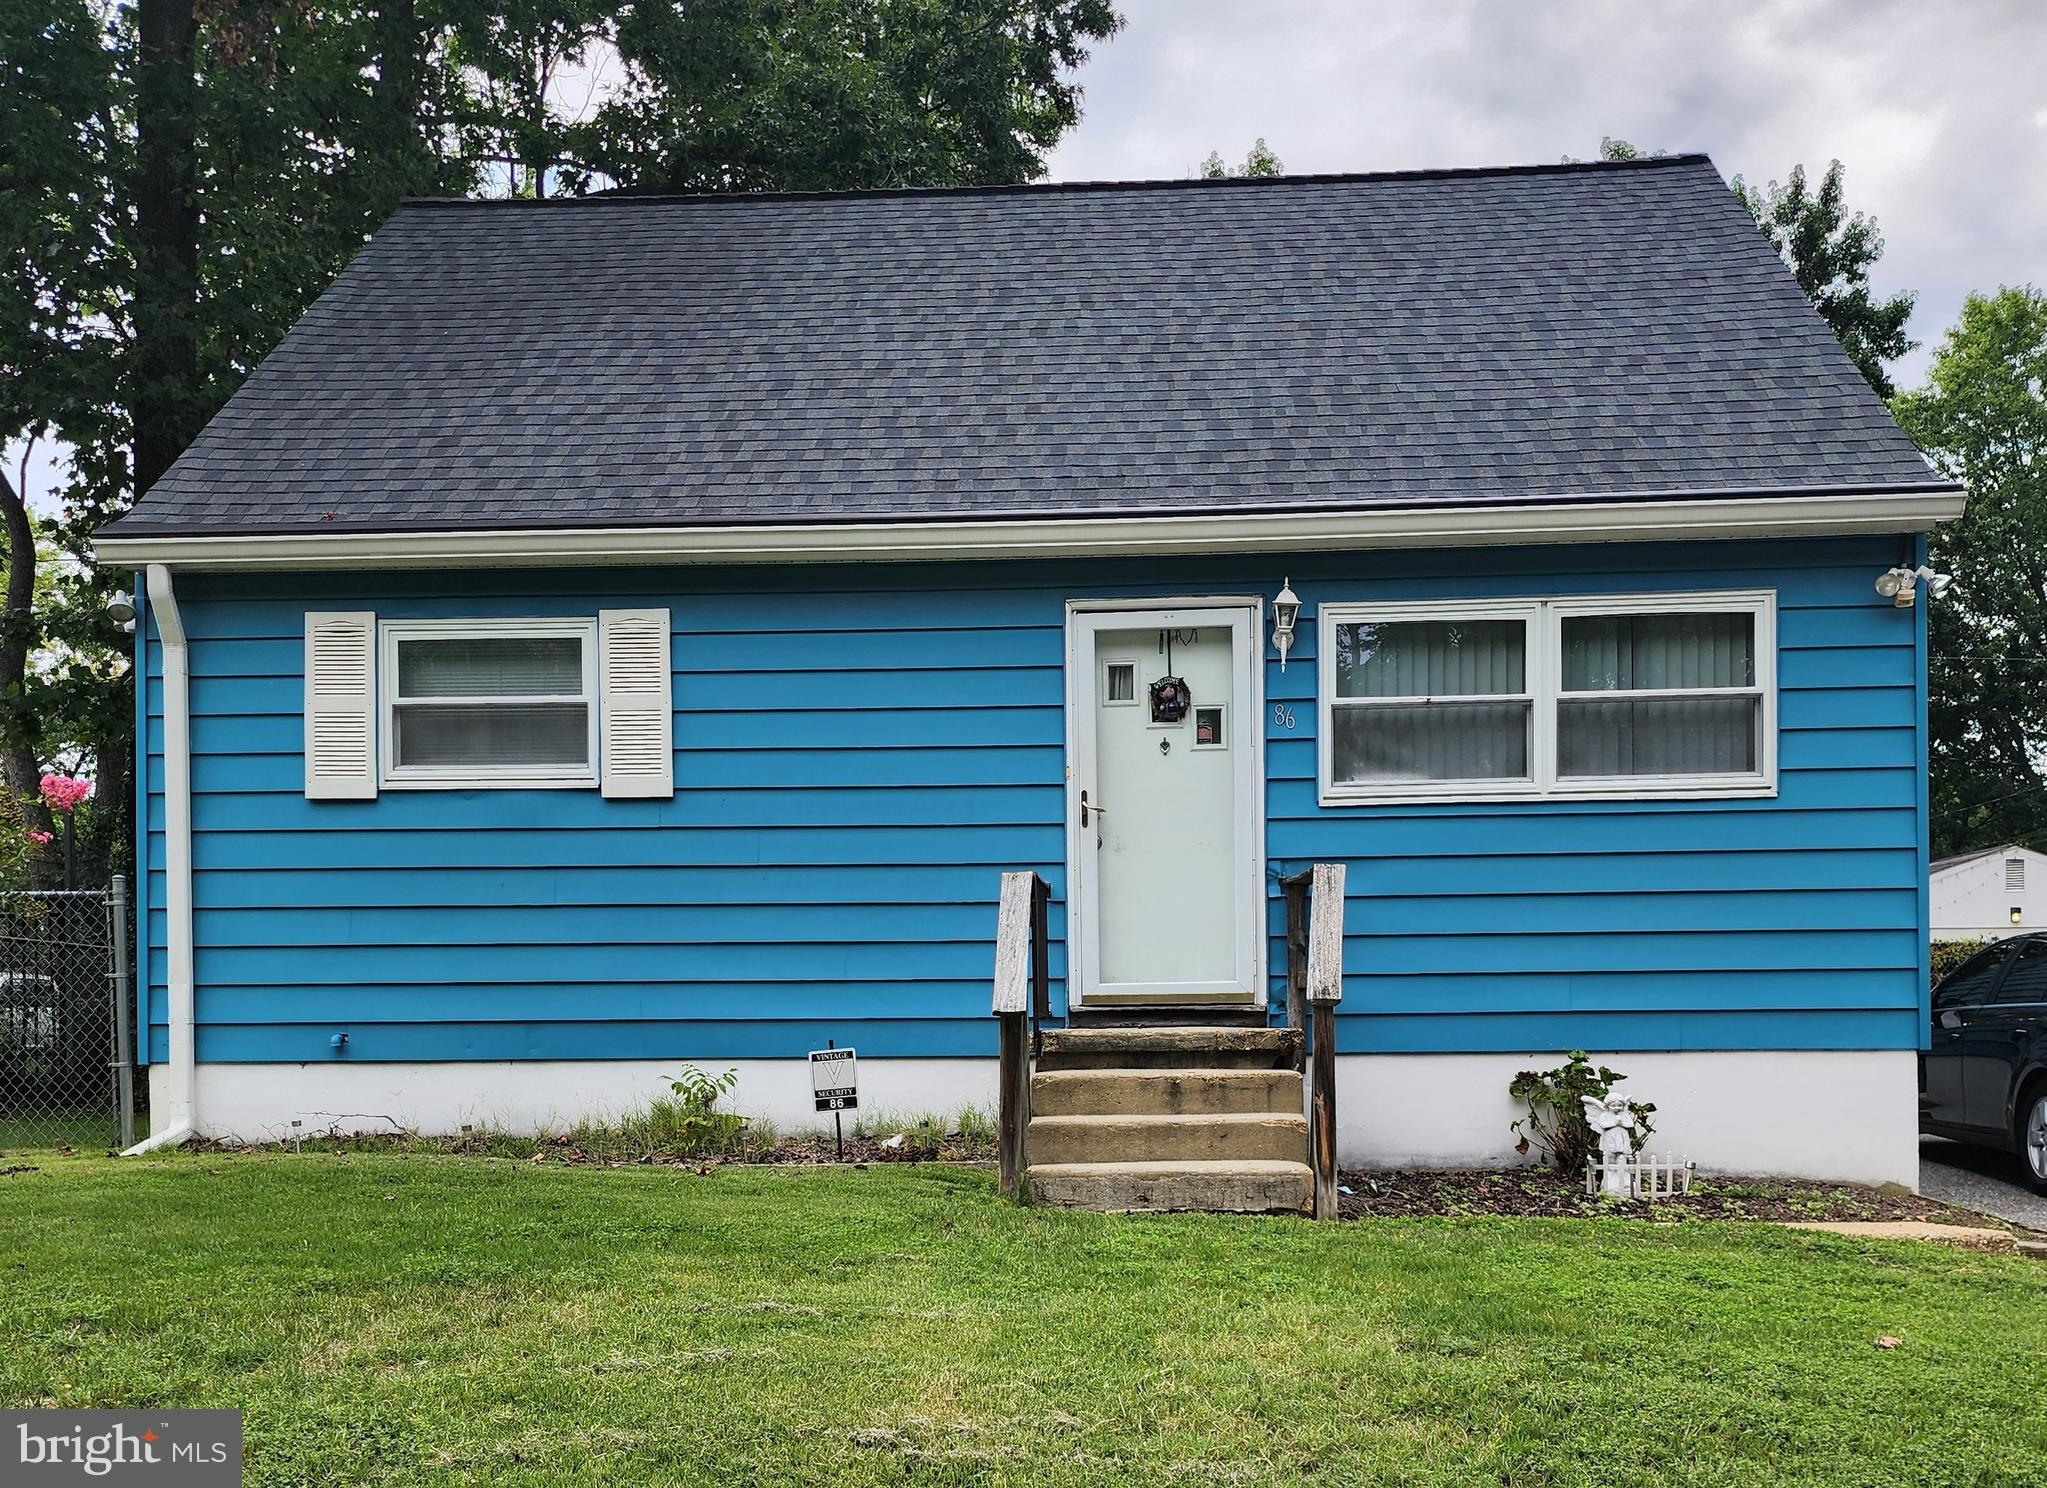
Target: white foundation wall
<point x="1848" y="1115"/>
<point x="1840" y="1114"/>
<point x="259" y="1102"/>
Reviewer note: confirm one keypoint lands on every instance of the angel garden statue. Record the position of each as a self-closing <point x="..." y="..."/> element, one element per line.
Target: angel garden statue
<point x="1614" y="1125"/>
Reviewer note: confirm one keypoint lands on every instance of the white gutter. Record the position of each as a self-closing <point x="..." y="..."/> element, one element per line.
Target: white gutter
<point x="183" y="1086"/>
<point x="1834" y="513"/>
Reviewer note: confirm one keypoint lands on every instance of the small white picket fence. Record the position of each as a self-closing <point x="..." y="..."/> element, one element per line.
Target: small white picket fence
<point x="1648" y="1177"/>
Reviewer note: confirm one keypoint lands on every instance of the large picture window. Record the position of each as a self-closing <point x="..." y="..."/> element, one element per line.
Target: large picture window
<point x="1642" y="695"/>
<point x="490" y="701"/>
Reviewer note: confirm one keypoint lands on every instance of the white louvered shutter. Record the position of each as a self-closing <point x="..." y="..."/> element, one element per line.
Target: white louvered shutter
<point x="341" y="706"/>
<point x="636" y="716"/>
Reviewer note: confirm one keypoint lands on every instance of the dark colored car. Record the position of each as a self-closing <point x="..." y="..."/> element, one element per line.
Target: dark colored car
<point x="1983" y="1077"/>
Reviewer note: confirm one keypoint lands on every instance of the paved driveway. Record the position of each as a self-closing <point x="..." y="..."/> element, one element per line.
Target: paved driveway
<point x="1978" y="1179"/>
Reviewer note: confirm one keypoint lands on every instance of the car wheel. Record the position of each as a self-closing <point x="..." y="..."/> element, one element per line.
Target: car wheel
<point x="2033" y="1137"/>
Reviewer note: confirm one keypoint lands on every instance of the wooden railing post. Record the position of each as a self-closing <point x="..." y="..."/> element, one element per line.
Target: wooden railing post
<point x="1324" y="988"/>
<point x="1041" y="961"/>
<point x="1021" y="990"/>
<point x="1296" y="890"/>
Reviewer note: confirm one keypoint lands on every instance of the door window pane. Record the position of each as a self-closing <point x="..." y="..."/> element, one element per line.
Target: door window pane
<point x="1398" y="742"/>
<point x="1658" y="736"/>
<point x="1637" y="653"/>
<point x="1431" y="658"/>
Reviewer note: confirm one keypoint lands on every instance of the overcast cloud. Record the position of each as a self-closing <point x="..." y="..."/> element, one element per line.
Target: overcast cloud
<point x="1937" y="108"/>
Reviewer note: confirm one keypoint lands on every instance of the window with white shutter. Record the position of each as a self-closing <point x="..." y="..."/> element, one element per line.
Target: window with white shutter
<point x="639" y="759"/>
<point x="488" y="703"/>
<point x="341" y="703"/>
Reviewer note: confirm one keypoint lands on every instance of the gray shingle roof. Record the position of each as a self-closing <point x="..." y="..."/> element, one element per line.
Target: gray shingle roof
<point x="2005" y="849"/>
<point x="1435" y="337"/>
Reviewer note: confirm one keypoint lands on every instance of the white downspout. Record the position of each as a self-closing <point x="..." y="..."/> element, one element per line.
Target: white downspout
<point x="182" y="1115"/>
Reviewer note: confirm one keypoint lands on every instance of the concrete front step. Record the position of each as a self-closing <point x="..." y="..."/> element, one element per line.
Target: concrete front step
<point x="1168" y="1048"/>
<point x="1149" y="1016"/>
<point x="1167" y="1092"/>
<point x="1257" y="1136"/>
<point x="1235" y="1187"/>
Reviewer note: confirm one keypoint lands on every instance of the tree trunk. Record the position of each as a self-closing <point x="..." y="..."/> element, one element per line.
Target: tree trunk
<point x="18" y="764"/>
<point x="398" y="96"/>
<point x="165" y="402"/>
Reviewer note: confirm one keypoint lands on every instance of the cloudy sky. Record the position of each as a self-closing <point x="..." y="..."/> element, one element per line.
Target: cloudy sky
<point x="1938" y="108"/>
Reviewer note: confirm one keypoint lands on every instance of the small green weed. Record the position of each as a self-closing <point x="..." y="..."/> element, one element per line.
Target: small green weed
<point x="685" y="1123"/>
<point x="967" y="1134"/>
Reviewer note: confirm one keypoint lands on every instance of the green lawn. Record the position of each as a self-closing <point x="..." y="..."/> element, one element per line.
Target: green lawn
<point x="417" y="1319"/>
<point x="85" y="1130"/>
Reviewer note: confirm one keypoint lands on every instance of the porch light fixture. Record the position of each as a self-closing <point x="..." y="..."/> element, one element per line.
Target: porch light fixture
<point x="121" y="610"/>
<point x="1286" y="610"/>
<point x="1901" y="585"/>
<point x="2017" y="917"/>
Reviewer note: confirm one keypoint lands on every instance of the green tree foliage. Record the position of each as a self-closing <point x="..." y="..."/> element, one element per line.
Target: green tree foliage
<point x="1260" y="162"/>
<point x="824" y="96"/>
<point x="1831" y="252"/>
<point x="179" y="179"/>
<point x="1611" y="148"/>
<point x="63" y="270"/>
<point x="1982" y="419"/>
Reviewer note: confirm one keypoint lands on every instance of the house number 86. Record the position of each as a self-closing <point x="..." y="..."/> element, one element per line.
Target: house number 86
<point x="1282" y="716"/>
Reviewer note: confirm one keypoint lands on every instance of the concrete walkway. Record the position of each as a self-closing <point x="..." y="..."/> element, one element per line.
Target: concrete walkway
<point x="1974" y="1178"/>
<point x="1964" y="1237"/>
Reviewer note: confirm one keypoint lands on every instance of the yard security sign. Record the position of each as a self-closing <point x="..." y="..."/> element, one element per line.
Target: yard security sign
<point x="835" y="1079"/>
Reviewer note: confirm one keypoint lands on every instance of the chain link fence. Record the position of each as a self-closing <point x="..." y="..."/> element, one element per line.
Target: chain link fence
<point x="66" y="1050"/>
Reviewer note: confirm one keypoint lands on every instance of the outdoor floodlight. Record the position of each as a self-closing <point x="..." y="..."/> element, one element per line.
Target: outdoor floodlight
<point x="1901" y="585"/>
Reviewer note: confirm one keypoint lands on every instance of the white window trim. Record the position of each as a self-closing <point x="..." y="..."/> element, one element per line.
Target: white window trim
<point x="481" y="777"/>
<point x="1544" y="617"/>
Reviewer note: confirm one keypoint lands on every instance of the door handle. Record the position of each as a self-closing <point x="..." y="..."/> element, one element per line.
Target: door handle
<point x="1085" y="808"/>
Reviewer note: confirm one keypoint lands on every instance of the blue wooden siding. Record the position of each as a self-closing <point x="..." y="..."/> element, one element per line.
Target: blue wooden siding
<point x="860" y="751"/>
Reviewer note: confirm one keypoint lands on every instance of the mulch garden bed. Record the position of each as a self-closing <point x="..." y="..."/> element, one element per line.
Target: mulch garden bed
<point x="789" y="1152"/>
<point x="1540" y="1193"/>
<point x="1403" y="1193"/>
<point x="865" y="1150"/>
<point x="785" y="1152"/>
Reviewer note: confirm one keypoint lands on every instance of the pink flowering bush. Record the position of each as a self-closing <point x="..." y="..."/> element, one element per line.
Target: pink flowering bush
<point x="39" y="838"/>
<point x="63" y="793"/>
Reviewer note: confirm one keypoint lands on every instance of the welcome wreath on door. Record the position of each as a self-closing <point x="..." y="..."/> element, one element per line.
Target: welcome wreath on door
<point x="1170" y="695"/>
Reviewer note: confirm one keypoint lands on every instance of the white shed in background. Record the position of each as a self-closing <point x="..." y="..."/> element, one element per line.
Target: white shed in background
<point x="1996" y="892"/>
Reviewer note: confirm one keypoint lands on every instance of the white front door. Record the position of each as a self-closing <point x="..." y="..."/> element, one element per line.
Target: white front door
<point x="1165" y="834"/>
